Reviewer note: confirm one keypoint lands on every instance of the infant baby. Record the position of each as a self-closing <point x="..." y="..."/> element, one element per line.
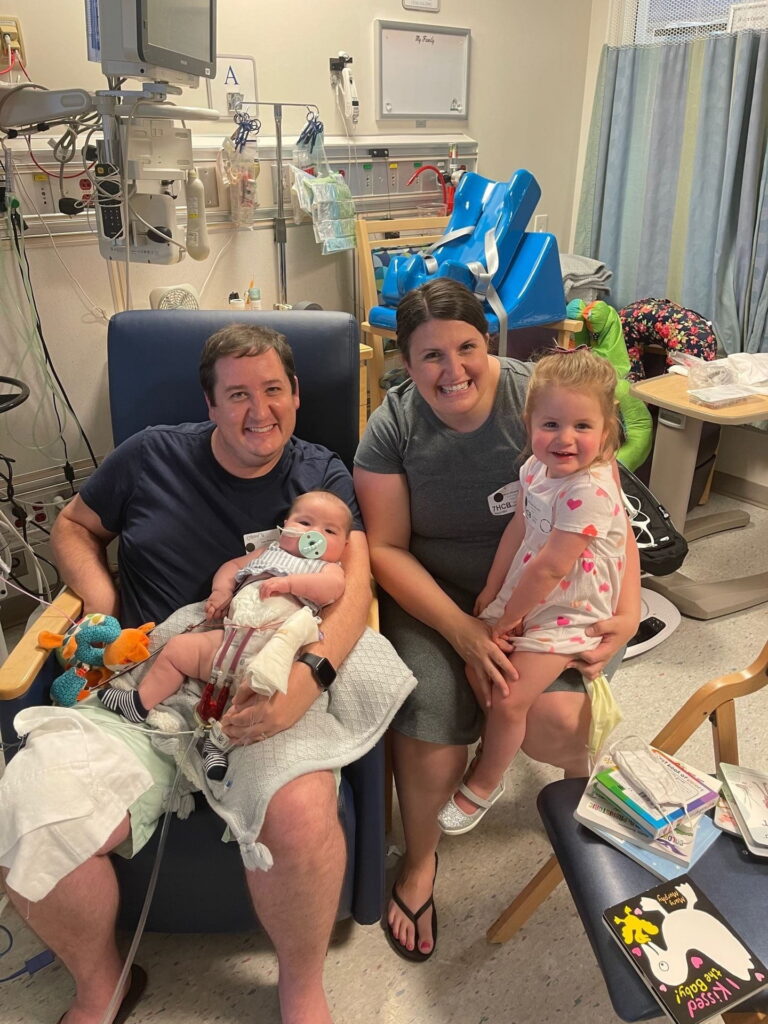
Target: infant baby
<point x="270" y="599"/>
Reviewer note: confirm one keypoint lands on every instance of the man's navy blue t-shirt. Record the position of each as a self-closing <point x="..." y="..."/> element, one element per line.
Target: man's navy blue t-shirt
<point x="180" y="515"/>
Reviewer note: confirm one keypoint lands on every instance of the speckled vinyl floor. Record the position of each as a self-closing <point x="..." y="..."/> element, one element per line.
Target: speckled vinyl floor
<point x="546" y="972"/>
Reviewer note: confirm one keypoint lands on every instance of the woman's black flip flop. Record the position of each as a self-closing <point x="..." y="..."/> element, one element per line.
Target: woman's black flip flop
<point x="414" y="955"/>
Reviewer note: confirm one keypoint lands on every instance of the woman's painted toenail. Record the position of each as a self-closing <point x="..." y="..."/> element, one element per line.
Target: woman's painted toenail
<point x="425" y="946"/>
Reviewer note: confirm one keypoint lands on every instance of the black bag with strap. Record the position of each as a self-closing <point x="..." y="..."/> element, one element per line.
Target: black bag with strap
<point x="662" y="548"/>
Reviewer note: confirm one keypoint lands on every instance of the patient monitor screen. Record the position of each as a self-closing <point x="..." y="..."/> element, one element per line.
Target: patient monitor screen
<point x="180" y="26"/>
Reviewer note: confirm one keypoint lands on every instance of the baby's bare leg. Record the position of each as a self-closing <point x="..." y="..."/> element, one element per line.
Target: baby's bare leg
<point x="190" y="654"/>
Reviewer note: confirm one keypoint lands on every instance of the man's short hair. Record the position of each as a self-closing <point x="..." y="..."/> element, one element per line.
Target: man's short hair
<point x="243" y="340"/>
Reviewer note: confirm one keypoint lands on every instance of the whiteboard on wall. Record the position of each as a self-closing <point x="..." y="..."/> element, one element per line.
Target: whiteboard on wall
<point x="423" y="70"/>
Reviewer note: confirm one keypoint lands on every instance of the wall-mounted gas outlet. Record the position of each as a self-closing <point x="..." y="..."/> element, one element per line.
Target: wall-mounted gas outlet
<point x="11" y="39"/>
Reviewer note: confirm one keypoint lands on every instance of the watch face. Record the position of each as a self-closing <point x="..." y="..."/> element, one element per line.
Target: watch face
<point x="322" y="669"/>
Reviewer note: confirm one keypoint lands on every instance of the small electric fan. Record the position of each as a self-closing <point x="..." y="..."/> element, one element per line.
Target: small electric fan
<point x="175" y="296"/>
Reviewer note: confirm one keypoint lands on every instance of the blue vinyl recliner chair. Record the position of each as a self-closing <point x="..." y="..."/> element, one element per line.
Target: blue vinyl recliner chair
<point x="152" y="366"/>
<point x="486" y="247"/>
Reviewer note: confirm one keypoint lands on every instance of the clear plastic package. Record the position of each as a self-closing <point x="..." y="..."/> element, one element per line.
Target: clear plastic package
<point x="720" y="395"/>
<point x="704" y="373"/>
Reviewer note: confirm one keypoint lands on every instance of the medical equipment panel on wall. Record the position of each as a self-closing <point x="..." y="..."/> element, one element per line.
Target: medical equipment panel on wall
<point x="423" y="70"/>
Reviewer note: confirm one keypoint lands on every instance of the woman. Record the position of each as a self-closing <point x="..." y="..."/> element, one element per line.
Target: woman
<point x="436" y="477"/>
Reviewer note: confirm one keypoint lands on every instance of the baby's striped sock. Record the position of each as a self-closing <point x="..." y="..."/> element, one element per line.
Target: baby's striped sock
<point x="124" y="702"/>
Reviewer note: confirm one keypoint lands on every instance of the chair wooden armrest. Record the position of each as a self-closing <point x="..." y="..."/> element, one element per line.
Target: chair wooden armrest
<point x="18" y="671"/>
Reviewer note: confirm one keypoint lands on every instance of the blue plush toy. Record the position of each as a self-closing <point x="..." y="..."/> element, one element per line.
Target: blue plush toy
<point x="81" y="648"/>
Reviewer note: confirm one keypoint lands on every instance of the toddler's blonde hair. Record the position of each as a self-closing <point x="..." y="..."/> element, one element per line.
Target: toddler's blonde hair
<point x="578" y="370"/>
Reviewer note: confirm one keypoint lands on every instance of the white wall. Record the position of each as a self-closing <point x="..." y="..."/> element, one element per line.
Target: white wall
<point x="528" y="65"/>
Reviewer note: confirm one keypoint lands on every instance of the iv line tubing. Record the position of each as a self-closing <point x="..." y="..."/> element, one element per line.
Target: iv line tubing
<point x="117" y="994"/>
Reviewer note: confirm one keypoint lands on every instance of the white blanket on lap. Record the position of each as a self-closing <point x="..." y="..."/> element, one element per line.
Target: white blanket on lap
<point x="340" y="727"/>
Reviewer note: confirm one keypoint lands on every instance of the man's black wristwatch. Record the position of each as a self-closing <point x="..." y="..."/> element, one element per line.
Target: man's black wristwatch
<point x="321" y="668"/>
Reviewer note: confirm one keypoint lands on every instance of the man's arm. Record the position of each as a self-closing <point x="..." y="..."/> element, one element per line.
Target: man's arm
<point x="343" y="622"/>
<point x="79" y="543"/>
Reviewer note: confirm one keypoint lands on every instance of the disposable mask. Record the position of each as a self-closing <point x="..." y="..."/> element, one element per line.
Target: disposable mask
<point x="646" y="772"/>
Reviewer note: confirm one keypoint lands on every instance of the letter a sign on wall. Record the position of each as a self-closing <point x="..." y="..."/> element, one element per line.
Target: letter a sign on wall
<point x="235" y="83"/>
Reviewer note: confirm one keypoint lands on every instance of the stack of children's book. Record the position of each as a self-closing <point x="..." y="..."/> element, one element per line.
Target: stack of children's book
<point x="666" y="840"/>
<point x="743" y="806"/>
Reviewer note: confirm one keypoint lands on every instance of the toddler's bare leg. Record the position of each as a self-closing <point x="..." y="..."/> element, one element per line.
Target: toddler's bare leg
<point x="506" y="721"/>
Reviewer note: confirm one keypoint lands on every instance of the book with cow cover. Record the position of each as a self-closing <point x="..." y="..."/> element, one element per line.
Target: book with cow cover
<point x="689" y="956"/>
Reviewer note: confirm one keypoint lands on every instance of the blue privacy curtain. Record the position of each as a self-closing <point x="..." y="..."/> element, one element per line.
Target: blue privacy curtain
<point x="675" y="191"/>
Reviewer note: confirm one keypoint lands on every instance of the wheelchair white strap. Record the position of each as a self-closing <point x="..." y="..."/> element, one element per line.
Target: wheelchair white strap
<point x="485" y="290"/>
<point x="429" y="261"/>
<point x="483" y="274"/>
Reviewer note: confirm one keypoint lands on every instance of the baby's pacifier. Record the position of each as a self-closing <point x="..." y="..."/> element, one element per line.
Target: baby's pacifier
<point x="312" y="544"/>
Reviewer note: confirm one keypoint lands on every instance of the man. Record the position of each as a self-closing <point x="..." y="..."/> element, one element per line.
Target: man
<point x="181" y="499"/>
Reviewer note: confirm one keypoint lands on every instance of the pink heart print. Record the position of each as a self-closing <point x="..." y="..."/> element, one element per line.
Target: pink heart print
<point x="662" y="988"/>
<point x="564" y="584"/>
<point x="601" y="493"/>
<point x="636" y="951"/>
<point x="563" y="620"/>
<point x="603" y="588"/>
<point x="526" y="557"/>
<point x="696" y="962"/>
<point x="590" y="530"/>
<point x="615" y="510"/>
<point x="759" y="977"/>
<point x="529" y="478"/>
<point x="573" y="503"/>
<point x="587" y="566"/>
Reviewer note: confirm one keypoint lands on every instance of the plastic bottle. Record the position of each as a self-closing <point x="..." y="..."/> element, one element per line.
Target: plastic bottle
<point x="235" y="302"/>
<point x="197" y="229"/>
<point x="254" y="298"/>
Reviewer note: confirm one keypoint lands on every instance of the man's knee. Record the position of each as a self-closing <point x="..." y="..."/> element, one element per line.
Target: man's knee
<point x="307" y="806"/>
<point x="120" y="834"/>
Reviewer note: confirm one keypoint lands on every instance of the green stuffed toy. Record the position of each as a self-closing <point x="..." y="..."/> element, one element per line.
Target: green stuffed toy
<point x="602" y="332"/>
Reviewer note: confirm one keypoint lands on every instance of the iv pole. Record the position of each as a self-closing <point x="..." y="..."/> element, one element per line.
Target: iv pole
<point x="280" y="228"/>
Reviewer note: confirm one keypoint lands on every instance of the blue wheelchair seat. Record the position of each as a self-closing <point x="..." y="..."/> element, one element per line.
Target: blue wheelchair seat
<point x="486" y="247"/>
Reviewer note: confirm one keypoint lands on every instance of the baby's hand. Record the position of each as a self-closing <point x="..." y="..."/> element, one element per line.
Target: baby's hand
<point x="483" y="599"/>
<point x="275" y="585"/>
<point x="217" y="604"/>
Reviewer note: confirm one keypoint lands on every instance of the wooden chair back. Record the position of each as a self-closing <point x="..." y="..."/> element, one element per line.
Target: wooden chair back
<point x="412" y="232"/>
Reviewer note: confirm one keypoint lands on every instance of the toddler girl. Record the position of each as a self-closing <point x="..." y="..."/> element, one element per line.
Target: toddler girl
<point x="559" y="564"/>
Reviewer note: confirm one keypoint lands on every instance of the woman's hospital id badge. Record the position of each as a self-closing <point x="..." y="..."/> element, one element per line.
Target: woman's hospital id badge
<point x="502" y="502"/>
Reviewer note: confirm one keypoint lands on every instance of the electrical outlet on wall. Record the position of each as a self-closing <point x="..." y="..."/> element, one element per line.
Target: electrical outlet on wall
<point x="540" y="222"/>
